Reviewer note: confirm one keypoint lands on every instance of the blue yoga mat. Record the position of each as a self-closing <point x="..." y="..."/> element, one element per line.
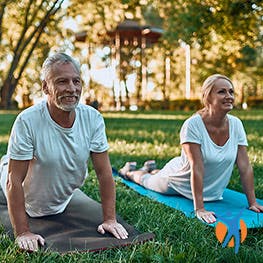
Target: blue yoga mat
<point x="233" y="204"/>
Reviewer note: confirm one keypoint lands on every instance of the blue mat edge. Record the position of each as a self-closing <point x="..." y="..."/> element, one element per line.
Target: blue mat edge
<point x="230" y="198"/>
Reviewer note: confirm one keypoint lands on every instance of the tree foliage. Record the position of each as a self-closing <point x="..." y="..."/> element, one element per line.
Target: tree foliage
<point x="231" y="25"/>
<point x="225" y="36"/>
<point x="24" y="26"/>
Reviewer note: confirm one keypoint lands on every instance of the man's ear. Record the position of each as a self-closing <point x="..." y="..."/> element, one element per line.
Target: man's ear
<point x="45" y="87"/>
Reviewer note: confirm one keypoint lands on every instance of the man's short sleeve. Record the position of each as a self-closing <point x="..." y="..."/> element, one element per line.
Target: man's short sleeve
<point x="99" y="141"/>
<point x="20" y="146"/>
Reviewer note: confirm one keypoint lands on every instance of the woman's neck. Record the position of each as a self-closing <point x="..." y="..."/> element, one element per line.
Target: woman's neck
<point x="216" y="119"/>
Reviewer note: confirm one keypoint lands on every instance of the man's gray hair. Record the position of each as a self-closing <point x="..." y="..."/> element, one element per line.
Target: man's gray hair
<point x="58" y="58"/>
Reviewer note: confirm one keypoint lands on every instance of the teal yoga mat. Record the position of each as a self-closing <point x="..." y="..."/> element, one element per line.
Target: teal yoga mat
<point x="233" y="204"/>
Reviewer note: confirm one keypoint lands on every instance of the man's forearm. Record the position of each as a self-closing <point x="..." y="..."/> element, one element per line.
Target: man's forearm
<point x="108" y="198"/>
<point x="16" y="209"/>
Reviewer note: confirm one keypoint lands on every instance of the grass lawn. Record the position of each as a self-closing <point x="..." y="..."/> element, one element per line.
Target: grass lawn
<point x="155" y="135"/>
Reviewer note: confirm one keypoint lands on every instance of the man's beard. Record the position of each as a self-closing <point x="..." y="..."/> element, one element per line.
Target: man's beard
<point x="65" y="107"/>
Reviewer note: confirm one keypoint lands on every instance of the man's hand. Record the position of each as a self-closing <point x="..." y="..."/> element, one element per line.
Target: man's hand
<point x="114" y="228"/>
<point x="29" y="241"/>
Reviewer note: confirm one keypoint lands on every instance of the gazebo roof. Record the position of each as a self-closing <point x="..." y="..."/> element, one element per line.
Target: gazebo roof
<point x="129" y="31"/>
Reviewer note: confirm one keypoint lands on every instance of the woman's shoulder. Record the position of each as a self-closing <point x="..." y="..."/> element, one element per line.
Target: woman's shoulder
<point x="194" y="119"/>
<point x="192" y="130"/>
<point x="234" y="119"/>
<point x="193" y="123"/>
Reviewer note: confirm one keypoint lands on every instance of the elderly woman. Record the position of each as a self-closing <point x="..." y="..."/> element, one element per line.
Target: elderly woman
<point x="213" y="141"/>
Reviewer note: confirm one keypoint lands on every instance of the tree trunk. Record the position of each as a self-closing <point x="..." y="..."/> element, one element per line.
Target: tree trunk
<point x="7" y="92"/>
<point x="127" y="101"/>
<point x="32" y="40"/>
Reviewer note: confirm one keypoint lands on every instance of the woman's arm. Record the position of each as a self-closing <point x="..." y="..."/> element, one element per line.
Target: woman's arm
<point x="247" y="178"/>
<point x="193" y="152"/>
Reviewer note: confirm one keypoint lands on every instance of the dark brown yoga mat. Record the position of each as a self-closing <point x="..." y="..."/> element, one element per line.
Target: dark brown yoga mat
<point x="75" y="230"/>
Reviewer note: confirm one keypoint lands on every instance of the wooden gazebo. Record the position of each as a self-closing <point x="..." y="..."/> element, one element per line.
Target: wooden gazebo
<point x="131" y="34"/>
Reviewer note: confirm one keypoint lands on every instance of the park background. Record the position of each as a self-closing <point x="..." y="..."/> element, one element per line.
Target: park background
<point x="145" y="90"/>
<point x="144" y="54"/>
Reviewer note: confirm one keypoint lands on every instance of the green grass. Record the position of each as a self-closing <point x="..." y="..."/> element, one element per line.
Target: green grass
<point x="140" y="136"/>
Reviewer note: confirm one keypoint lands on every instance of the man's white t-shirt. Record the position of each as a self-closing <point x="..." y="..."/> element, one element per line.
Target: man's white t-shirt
<point x="218" y="160"/>
<point x="58" y="155"/>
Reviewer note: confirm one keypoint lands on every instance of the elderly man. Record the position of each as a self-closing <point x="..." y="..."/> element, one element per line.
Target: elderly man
<point x="48" y="152"/>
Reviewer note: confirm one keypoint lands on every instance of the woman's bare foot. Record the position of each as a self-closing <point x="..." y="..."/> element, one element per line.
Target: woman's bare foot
<point x="128" y="167"/>
<point x="149" y="166"/>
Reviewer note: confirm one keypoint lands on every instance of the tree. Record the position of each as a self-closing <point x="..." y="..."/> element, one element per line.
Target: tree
<point x="225" y="36"/>
<point x="22" y="25"/>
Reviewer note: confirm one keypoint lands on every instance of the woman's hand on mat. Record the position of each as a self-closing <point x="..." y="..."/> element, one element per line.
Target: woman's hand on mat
<point x="114" y="228"/>
<point x="256" y="208"/>
<point x="207" y="216"/>
<point x="29" y="241"/>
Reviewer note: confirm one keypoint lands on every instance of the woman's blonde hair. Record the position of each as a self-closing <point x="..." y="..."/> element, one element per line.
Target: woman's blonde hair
<point x="208" y="85"/>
